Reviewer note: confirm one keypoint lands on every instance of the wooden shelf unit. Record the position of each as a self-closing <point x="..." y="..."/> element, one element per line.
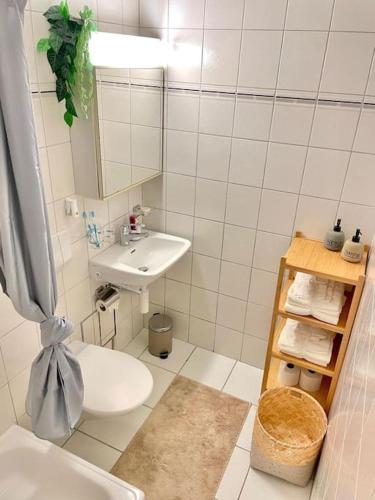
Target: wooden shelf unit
<point x="311" y="257"/>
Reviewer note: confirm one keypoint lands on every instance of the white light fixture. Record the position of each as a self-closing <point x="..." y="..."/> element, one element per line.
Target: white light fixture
<point x="112" y="50"/>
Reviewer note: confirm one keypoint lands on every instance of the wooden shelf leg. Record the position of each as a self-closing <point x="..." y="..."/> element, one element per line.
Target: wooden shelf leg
<point x="273" y="322"/>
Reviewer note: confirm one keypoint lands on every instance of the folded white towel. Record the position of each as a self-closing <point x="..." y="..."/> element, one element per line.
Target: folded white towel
<point x="311" y="295"/>
<point x="329" y="298"/>
<point x="321" y="361"/>
<point x="301" y="291"/>
<point x="295" y="309"/>
<point x="305" y="341"/>
<point x="332" y="319"/>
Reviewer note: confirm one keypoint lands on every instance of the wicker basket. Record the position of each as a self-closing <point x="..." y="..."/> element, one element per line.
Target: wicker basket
<point x="288" y="434"/>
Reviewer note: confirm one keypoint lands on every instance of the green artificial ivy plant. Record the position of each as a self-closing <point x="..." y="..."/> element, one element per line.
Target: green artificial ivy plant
<point x="68" y="55"/>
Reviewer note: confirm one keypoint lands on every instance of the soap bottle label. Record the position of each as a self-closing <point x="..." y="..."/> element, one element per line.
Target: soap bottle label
<point x="352" y="255"/>
<point x="333" y="244"/>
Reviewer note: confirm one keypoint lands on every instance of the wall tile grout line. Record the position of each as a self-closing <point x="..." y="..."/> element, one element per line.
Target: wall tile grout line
<point x="357" y="127"/>
<point x="314" y="114"/>
<point x="227" y="190"/>
<point x="278" y="97"/>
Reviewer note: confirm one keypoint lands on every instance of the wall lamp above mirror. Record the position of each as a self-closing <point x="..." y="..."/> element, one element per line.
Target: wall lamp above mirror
<point x="112" y="50"/>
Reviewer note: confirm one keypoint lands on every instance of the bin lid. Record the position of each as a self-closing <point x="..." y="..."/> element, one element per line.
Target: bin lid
<point x="160" y="323"/>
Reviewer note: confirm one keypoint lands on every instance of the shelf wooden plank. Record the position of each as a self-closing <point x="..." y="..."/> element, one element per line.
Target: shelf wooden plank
<point x="311" y="257"/>
<point x="273" y="381"/>
<point x="303" y="363"/>
<point x="310" y="320"/>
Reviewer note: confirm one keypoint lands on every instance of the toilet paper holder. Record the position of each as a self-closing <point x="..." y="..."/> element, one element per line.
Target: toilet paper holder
<point x="107" y="298"/>
<point x="108" y="294"/>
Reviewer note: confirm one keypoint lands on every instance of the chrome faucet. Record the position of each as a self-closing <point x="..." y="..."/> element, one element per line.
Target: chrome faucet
<point x="134" y="231"/>
<point x="125" y="235"/>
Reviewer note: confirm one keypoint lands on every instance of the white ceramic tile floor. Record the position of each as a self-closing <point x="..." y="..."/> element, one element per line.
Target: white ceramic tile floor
<point x="208" y="368"/>
<point x="101" y="441"/>
<point x="162" y="380"/>
<point x="234" y="476"/>
<point x="138" y="344"/>
<point x="118" y="431"/>
<point x="244" y="439"/>
<point x="261" y="486"/>
<point x="245" y="382"/>
<point x="92" y="450"/>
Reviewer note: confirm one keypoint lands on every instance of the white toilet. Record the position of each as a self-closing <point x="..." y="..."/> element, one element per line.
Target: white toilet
<point x="115" y="382"/>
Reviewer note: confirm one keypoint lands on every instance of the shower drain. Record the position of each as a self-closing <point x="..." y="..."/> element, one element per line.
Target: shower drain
<point x="143" y="269"/>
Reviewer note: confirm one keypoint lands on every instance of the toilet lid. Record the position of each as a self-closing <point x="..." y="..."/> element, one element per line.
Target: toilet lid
<point x="115" y="382"/>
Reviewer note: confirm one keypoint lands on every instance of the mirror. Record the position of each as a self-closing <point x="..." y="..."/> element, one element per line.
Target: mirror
<point x="121" y="144"/>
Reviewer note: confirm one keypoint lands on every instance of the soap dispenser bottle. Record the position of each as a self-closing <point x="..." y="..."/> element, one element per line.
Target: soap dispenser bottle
<point x="335" y="238"/>
<point x="353" y="250"/>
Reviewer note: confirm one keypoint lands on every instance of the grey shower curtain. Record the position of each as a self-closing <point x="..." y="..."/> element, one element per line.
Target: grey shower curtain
<point x="27" y="273"/>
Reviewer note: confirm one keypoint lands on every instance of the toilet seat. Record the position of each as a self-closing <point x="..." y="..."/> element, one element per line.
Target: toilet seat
<point x="115" y="382"/>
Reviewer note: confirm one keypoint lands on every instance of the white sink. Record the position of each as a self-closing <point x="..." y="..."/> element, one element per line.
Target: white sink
<point x="140" y="263"/>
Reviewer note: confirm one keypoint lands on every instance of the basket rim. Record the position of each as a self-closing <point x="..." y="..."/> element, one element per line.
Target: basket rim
<point x="289" y="445"/>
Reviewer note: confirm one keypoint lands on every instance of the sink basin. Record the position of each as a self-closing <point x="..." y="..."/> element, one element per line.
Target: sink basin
<point x="140" y="263"/>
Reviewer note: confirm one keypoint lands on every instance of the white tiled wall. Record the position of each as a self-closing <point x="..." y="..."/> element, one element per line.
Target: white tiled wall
<point x="269" y="131"/>
<point x="346" y="468"/>
<point x="19" y="339"/>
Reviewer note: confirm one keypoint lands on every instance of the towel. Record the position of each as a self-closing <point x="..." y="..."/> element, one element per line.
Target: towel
<point x="296" y="309"/>
<point x="318" y="297"/>
<point x="328" y="296"/>
<point x="305" y="341"/>
<point x="302" y="290"/>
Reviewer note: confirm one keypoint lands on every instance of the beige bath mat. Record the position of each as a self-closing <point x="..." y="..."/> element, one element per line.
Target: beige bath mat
<point x="183" y="448"/>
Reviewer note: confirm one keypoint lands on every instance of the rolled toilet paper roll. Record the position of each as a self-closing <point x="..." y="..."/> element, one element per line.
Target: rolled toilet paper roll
<point x="107" y="299"/>
<point x="103" y="307"/>
<point x="289" y="373"/>
<point x="310" y="381"/>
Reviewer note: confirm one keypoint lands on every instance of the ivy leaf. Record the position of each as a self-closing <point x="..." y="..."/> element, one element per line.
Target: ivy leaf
<point x="60" y="89"/>
<point x="64" y="72"/>
<point x="55" y="41"/>
<point x="53" y="13"/>
<point x="64" y="9"/>
<point x="85" y="13"/>
<point x="52" y="59"/>
<point x="68" y="118"/>
<point x="43" y="45"/>
<point x="75" y="27"/>
<point x="92" y="25"/>
<point x="71" y="77"/>
<point x="70" y="106"/>
<point x="60" y="27"/>
<point x="70" y="50"/>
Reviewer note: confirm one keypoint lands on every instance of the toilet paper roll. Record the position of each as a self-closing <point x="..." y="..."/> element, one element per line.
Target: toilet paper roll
<point x="102" y="306"/>
<point x="310" y="381"/>
<point x="289" y="374"/>
<point x="108" y="299"/>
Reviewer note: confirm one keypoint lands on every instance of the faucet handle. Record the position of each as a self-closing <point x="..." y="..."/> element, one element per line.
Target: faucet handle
<point x="141" y="210"/>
